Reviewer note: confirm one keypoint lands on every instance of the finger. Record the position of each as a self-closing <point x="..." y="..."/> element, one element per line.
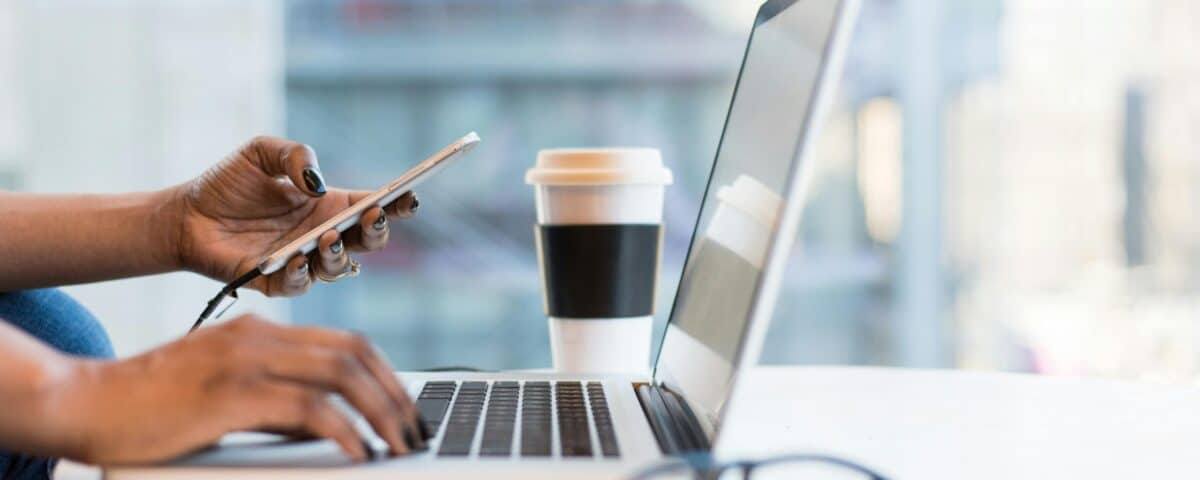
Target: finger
<point x="286" y="407"/>
<point x="291" y="433"/>
<point x="370" y="235"/>
<point x="385" y="374"/>
<point x="374" y="361"/>
<point x="341" y="371"/>
<point x="277" y="157"/>
<point x="326" y="421"/>
<point x="292" y="280"/>
<point x="331" y="254"/>
<point x="403" y="207"/>
<point x="367" y="237"/>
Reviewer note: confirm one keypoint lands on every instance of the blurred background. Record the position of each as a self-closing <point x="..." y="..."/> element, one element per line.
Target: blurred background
<point x="1004" y="185"/>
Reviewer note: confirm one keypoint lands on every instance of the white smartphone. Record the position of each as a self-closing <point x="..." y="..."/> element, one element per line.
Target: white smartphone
<point x="389" y="193"/>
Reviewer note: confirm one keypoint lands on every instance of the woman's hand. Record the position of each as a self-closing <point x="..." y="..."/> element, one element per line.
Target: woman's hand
<point x="267" y="193"/>
<point x="246" y="374"/>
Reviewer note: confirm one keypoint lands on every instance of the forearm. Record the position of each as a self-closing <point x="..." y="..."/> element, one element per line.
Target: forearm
<point x="49" y="240"/>
<point x="32" y="376"/>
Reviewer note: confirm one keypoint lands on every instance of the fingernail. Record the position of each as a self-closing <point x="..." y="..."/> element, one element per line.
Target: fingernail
<point x="405" y="431"/>
<point x="416" y="203"/>
<point x="336" y="248"/>
<point x="409" y="438"/>
<point x="425" y="434"/>
<point x="368" y="452"/>
<point x="380" y="222"/>
<point x="302" y="269"/>
<point x="314" y="181"/>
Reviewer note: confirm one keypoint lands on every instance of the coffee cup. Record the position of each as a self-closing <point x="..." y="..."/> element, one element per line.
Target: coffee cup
<point x="599" y="243"/>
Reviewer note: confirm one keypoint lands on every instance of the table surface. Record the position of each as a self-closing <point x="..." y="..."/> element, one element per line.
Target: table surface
<point x="931" y="424"/>
<point x="980" y="425"/>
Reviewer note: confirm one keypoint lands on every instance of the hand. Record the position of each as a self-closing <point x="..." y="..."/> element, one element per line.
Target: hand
<point x="267" y="193"/>
<point x="246" y="374"/>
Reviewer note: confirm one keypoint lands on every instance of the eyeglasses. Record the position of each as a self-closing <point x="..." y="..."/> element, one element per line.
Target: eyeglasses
<point x="702" y="466"/>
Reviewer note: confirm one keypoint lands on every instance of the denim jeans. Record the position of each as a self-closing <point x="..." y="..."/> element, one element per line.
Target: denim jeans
<point x="55" y="318"/>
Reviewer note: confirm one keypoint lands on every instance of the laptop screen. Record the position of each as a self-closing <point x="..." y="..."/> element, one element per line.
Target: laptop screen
<point x="743" y="202"/>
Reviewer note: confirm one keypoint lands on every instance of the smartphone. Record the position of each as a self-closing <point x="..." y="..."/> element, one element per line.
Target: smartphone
<point x="389" y="193"/>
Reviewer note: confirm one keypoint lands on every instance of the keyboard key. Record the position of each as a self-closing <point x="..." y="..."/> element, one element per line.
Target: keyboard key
<point x="433" y="402"/>
<point x="536" y="416"/>
<point x="500" y="422"/>
<point x="602" y="418"/>
<point x="463" y="420"/>
<point x="573" y="430"/>
<point x="432" y="410"/>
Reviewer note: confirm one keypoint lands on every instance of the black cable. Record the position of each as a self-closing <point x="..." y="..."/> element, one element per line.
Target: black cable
<point x="230" y="290"/>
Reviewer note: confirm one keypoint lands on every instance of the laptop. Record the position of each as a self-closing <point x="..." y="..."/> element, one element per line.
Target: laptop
<point x="523" y="425"/>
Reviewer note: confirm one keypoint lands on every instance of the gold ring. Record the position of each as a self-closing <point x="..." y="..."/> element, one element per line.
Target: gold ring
<point x="352" y="270"/>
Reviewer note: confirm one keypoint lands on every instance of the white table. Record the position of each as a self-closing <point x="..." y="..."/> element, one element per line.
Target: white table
<point x="923" y="424"/>
<point x="917" y="424"/>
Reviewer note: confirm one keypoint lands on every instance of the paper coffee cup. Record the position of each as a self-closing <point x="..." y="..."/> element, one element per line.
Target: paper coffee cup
<point x="599" y="242"/>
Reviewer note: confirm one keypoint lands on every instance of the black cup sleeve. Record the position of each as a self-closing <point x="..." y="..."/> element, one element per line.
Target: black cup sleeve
<point x="599" y="271"/>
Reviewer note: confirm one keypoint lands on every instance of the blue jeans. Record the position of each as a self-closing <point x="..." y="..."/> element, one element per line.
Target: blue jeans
<point x="57" y="319"/>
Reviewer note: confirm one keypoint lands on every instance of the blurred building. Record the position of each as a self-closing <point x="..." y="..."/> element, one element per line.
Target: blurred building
<point x="1005" y="184"/>
<point x="376" y="86"/>
<point x="1077" y="174"/>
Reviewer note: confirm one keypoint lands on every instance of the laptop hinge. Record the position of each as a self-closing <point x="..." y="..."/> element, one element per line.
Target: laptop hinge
<point x="672" y="421"/>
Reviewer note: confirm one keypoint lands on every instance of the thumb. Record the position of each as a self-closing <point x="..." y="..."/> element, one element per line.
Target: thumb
<point x="277" y="156"/>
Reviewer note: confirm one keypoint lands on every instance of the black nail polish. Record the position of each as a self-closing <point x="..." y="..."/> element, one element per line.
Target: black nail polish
<point x="410" y="439"/>
<point x="380" y="222"/>
<point x="369" y="452"/>
<point x="416" y="203"/>
<point x="336" y="248"/>
<point x="314" y="181"/>
<point x="425" y="434"/>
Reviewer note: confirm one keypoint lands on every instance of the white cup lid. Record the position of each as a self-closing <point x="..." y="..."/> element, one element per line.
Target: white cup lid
<point x="752" y="198"/>
<point x="599" y="166"/>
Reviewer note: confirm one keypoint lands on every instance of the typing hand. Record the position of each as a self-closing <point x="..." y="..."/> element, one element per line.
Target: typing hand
<point x="262" y="196"/>
<point x="247" y="374"/>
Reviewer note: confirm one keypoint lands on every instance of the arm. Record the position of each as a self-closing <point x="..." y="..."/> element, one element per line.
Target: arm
<point x="257" y="199"/>
<point x="48" y="240"/>
<point x="246" y="374"/>
<point x="30" y="372"/>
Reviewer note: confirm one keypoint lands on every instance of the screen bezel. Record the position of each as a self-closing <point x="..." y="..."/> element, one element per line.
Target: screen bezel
<point x="764" y="295"/>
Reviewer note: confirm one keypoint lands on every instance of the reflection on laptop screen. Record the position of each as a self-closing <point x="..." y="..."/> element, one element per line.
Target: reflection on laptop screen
<point x="744" y="198"/>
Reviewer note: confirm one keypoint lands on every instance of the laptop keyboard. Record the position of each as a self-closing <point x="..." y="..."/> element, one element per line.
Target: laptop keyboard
<point x="519" y="418"/>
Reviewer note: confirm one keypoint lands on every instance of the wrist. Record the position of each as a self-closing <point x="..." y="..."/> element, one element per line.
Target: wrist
<point x="167" y="217"/>
<point x="58" y="402"/>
